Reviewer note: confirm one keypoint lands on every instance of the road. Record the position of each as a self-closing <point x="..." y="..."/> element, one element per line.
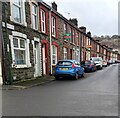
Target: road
<point x="94" y="95"/>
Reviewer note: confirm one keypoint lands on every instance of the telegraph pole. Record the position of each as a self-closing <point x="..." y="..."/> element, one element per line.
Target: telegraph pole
<point x="1" y="78"/>
<point x="7" y="53"/>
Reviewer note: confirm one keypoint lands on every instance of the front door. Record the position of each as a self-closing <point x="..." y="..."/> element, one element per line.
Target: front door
<point x="44" y="59"/>
<point x="37" y="59"/>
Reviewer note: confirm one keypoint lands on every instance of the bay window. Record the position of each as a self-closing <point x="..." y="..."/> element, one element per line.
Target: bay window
<point x="19" y="51"/>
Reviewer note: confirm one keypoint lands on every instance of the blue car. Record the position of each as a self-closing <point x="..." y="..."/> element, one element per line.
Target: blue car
<point x="68" y="68"/>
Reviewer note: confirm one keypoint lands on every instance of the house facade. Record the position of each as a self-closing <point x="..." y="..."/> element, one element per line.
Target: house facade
<point x="35" y="36"/>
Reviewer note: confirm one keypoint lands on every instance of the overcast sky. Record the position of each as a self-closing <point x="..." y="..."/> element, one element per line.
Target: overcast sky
<point x="100" y="17"/>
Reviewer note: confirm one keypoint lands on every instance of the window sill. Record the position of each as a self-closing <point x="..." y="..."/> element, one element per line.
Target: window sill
<point x="17" y="23"/>
<point x="44" y="33"/>
<point x="72" y="43"/>
<point x="65" y="41"/>
<point x="21" y="66"/>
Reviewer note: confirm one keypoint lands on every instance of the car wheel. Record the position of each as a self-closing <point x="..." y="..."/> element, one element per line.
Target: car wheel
<point x="56" y="77"/>
<point x="92" y="70"/>
<point x="76" y="76"/>
<point x="83" y="75"/>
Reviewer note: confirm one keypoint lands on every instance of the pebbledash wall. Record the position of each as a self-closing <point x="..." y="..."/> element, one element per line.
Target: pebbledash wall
<point x="30" y="50"/>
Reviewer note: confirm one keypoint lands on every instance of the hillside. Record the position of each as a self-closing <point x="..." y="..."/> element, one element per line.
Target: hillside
<point x="112" y="42"/>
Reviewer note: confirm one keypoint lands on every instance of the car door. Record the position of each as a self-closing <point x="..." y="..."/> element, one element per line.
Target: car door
<point x="79" y="68"/>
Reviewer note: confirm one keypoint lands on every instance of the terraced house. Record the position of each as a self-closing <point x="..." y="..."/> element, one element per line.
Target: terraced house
<point x="35" y="36"/>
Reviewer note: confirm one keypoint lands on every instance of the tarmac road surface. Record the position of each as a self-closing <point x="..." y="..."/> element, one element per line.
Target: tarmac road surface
<point x="94" y="95"/>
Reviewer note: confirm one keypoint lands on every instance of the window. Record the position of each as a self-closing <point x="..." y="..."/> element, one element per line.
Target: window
<point x="73" y="35"/>
<point x="65" y="53"/>
<point x="19" y="51"/>
<point x="53" y="26"/>
<point x="77" y="38"/>
<point x="87" y="42"/>
<point x="34" y="16"/>
<point x="77" y="55"/>
<point x="17" y="10"/>
<point x="43" y="21"/>
<point x="65" y="28"/>
<point x="54" y="54"/>
<point x="98" y="48"/>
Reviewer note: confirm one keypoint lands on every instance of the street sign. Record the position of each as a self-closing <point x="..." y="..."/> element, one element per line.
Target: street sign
<point x="67" y="36"/>
<point x="89" y="46"/>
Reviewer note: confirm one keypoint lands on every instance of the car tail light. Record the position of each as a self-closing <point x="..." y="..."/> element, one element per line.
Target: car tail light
<point x="90" y="65"/>
<point x="73" y="65"/>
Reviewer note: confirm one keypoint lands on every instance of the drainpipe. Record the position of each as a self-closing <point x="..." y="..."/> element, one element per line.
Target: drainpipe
<point x="1" y="78"/>
<point x="80" y="47"/>
<point x="50" y="41"/>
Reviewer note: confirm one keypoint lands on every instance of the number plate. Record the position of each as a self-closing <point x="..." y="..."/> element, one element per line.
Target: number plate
<point x="63" y="68"/>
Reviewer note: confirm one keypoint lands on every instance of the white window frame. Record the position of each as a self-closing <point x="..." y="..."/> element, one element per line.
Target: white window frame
<point x="73" y="35"/>
<point x="19" y="48"/>
<point x="71" y="30"/>
<point x="77" y="55"/>
<point x="65" y="28"/>
<point x="43" y="21"/>
<point x="65" y="52"/>
<point x="54" y="54"/>
<point x="22" y="12"/>
<point x="27" y="53"/>
<point x="98" y="48"/>
<point x="77" y="38"/>
<point x="53" y="26"/>
<point x="34" y="16"/>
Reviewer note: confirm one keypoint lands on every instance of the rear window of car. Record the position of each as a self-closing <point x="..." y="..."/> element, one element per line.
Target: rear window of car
<point x="96" y="59"/>
<point x="64" y="63"/>
<point x="87" y="62"/>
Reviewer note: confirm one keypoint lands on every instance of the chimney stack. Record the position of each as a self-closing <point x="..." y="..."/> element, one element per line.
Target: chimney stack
<point x="54" y="6"/>
<point x="74" y="21"/>
<point x="83" y="29"/>
<point x="89" y="34"/>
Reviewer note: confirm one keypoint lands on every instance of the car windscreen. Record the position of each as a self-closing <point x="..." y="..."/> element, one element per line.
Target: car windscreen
<point x="64" y="63"/>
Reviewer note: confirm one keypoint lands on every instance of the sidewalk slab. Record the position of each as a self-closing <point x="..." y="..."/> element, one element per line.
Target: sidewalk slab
<point x="27" y="83"/>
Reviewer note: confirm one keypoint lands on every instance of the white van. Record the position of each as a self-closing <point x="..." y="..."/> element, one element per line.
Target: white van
<point x="98" y="61"/>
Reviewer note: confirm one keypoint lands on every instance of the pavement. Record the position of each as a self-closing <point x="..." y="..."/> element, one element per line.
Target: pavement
<point x="28" y="83"/>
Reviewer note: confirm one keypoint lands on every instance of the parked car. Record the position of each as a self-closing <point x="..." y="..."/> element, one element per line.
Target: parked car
<point x="105" y="63"/>
<point x="68" y="68"/>
<point x="117" y="61"/>
<point x="89" y="65"/>
<point x="110" y="62"/>
<point x="98" y="61"/>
